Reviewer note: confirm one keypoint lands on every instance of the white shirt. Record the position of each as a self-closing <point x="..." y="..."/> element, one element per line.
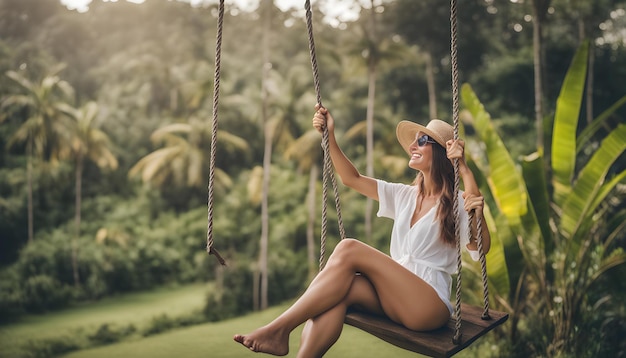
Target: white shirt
<point x="418" y="248"/>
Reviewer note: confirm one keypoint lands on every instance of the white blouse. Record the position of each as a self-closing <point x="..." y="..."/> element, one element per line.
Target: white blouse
<point x="419" y="248"/>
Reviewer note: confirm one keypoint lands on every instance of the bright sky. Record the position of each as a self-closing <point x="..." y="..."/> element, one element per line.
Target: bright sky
<point x="334" y="9"/>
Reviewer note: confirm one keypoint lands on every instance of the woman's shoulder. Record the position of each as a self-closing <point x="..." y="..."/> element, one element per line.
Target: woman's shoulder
<point x="395" y="188"/>
<point x="393" y="182"/>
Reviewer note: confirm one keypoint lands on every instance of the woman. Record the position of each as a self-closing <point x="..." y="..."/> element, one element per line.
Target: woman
<point x="412" y="287"/>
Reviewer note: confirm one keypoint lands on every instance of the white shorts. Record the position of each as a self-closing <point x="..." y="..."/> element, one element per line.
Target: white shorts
<point x="439" y="280"/>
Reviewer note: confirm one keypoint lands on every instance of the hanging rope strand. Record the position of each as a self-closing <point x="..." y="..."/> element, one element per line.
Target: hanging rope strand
<point x="309" y="26"/>
<point x="216" y="92"/>
<point x="455" y="116"/>
<point x="483" y="269"/>
<point x="327" y="169"/>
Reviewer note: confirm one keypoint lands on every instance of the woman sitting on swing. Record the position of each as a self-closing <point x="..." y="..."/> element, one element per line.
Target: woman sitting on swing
<point x="412" y="286"/>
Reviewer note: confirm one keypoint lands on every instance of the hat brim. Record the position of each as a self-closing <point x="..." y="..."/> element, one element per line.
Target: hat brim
<point x="407" y="130"/>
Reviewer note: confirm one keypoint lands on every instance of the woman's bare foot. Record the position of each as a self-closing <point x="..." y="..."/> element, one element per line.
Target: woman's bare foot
<point x="265" y="340"/>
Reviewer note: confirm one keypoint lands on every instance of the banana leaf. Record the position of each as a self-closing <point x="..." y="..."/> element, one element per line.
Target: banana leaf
<point x="534" y="173"/>
<point x="614" y="227"/>
<point x="505" y="181"/>
<point x="590" y="224"/>
<point x="588" y="191"/>
<point x="565" y="125"/>
<point x="505" y="188"/>
<point x="592" y="128"/>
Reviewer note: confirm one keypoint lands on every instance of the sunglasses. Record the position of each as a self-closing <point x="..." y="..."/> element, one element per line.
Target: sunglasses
<point x="422" y="140"/>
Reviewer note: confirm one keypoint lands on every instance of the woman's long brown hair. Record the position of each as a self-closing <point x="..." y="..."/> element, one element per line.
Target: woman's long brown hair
<point x="442" y="173"/>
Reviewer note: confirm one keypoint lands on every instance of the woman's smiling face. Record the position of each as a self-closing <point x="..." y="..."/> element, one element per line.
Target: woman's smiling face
<point x="421" y="152"/>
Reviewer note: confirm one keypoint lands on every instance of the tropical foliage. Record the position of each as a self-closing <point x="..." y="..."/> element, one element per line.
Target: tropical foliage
<point x="105" y="127"/>
<point x="560" y="218"/>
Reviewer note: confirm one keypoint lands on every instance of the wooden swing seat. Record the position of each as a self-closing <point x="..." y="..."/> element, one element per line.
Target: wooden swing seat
<point x="436" y="343"/>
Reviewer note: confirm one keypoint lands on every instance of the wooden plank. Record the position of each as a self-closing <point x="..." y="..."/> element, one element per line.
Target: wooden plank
<point x="437" y="343"/>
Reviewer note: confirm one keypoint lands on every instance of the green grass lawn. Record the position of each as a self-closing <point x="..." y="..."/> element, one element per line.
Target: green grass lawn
<point x="215" y="340"/>
<point x="134" y="308"/>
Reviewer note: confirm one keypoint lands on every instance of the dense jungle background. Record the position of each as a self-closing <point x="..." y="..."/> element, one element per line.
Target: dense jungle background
<point x="105" y="133"/>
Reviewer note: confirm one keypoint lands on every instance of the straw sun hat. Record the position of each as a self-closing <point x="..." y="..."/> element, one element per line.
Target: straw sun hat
<point x="437" y="129"/>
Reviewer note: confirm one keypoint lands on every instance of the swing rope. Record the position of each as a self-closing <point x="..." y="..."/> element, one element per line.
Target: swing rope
<point x="455" y="116"/>
<point x="327" y="170"/>
<point x="216" y="93"/>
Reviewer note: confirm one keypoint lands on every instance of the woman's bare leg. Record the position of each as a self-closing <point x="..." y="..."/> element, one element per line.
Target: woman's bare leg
<point x="321" y="332"/>
<point x="325" y="291"/>
<point x="404" y="297"/>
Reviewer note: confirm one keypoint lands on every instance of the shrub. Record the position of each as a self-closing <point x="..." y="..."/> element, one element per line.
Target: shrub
<point x="107" y="334"/>
<point x="287" y="278"/>
<point x="43" y="292"/>
<point x="234" y="298"/>
<point x="36" y="259"/>
<point x="10" y="297"/>
<point x="159" y="324"/>
<point x="162" y="323"/>
<point x="51" y="347"/>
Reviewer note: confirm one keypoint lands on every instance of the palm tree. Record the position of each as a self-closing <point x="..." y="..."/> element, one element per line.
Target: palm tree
<point x="262" y="301"/>
<point x="372" y="64"/>
<point x="45" y="127"/>
<point x="307" y="152"/>
<point x="280" y="97"/>
<point x="373" y="50"/>
<point x="87" y="142"/>
<point x="182" y="160"/>
<point x="410" y="19"/>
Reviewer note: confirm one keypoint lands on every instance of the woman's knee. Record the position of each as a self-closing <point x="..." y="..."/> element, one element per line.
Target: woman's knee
<point x="345" y="251"/>
<point x="348" y="246"/>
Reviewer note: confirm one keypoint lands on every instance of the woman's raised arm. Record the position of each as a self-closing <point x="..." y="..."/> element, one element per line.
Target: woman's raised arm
<point x="348" y="173"/>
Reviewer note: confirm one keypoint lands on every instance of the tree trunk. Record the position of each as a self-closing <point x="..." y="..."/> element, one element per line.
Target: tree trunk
<point x="369" y="119"/>
<point x="310" y="231"/>
<point x="79" y="180"/>
<point x="430" y="83"/>
<point x="589" y="83"/>
<point x="539" y="8"/>
<point x="255" y="289"/>
<point x="267" y="154"/>
<point x="267" y="160"/>
<point x="29" y="175"/>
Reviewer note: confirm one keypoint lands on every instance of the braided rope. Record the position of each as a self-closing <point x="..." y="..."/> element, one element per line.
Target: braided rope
<point x="216" y="89"/>
<point x="483" y="269"/>
<point x="455" y="116"/>
<point x="327" y="165"/>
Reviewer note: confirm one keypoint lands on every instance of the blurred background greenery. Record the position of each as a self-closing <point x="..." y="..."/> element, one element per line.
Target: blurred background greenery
<point x="105" y="128"/>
